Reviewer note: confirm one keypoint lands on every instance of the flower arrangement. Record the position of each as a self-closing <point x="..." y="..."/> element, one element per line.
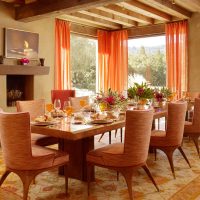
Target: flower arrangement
<point x="142" y="91"/>
<point x="159" y="96"/>
<point x="110" y="99"/>
<point x="167" y="93"/>
<point x="24" y="61"/>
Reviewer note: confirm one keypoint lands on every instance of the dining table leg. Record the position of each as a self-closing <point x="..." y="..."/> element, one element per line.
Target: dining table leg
<point x="77" y="151"/>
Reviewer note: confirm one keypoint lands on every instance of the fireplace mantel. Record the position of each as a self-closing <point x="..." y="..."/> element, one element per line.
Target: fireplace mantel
<point x="23" y="70"/>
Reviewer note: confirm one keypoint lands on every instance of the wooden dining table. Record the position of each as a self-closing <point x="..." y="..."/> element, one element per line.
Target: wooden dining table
<point x="78" y="139"/>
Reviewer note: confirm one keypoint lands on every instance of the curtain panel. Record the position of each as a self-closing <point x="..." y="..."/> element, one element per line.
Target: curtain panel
<point x="62" y="79"/>
<point x="177" y="56"/>
<point x="112" y="60"/>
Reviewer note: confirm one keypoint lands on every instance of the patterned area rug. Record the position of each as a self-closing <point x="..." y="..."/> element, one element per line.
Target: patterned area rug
<point x="50" y="186"/>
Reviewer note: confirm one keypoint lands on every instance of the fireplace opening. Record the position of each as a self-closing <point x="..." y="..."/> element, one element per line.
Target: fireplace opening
<point x="19" y="87"/>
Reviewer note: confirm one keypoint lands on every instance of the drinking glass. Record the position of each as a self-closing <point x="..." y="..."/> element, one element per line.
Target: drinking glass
<point x="57" y="106"/>
<point x="49" y="107"/>
<point x="82" y="102"/>
<point x="67" y="108"/>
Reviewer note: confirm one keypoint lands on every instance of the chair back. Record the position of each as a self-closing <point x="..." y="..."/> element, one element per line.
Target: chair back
<point x="34" y="107"/>
<point x="15" y="139"/>
<point x="196" y="114"/>
<point x="63" y="95"/>
<point x="75" y="102"/>
<point x="194" y="95"/>
<point x="175" y="123"/>
<point x="137" y="135"/>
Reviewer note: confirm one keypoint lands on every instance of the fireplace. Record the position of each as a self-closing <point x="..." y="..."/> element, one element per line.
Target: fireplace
<point x="19" y="87"/>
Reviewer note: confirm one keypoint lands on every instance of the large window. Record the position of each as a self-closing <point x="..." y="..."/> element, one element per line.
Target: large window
<point x="83" y="62"/>
<point x="147" y="60"/>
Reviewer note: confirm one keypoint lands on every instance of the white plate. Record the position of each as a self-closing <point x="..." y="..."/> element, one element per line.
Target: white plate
<point x="101" y="121"/>
<point x="43" y="123"/>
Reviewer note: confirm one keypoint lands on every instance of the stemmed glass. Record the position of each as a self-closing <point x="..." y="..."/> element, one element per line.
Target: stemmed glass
<point x="57" y="106"/>
<point x="67" y="108"/>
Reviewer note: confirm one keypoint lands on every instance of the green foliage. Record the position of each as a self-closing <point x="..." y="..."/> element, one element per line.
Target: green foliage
<point x="166" y="92"/>
<point x="143" y="91"/>
<point x="83" y="63"/>
<point x="151" y="65"/>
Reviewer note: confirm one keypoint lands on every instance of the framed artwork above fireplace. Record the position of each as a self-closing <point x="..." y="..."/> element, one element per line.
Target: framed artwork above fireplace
<point x="21" y="44"/>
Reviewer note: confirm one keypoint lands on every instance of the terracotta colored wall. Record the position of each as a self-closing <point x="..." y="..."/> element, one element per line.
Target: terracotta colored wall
<point x="42" y="84"/>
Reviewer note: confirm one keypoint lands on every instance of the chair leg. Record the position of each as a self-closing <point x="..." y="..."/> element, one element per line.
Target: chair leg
<point x="26" y="180"/>
<point x="101" y="137"/>
<point x="117" y="176"/>
<point x="128" y="173"/>
<point x="146" y="169"/>
<point x="116" y="132"/>
<point x="4" y="176"/>
<point x="184" y="156"/>
<point x="121" y="134"/>
<point x="66" y="178"/>
<point x="169" y="152"/>
<point x="109" y="137"/>
<point x="155" y="153"/>
<point x="196" y="142"/>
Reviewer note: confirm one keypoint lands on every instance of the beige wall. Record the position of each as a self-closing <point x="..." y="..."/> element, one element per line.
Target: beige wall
<point x="45" y="28"/>
<point x="194" y="53"/>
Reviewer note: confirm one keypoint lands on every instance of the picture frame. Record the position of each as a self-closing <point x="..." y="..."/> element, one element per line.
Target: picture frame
<point x="20" y="44"/>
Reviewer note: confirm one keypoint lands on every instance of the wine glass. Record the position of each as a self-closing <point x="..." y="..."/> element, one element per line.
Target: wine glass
<point x="57" y="106"/>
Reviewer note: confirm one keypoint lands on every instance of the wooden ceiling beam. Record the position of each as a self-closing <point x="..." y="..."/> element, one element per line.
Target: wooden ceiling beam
<point x="83" y="30"/>
<point x="117" y="10"/>
<point x="44" y="8"/>
<point x="95" y="20"/>
<point x="109" y="17"/>
<point x="167" y="7"/>
<point x="79" y="21"/>
<point x="147" y="10"/>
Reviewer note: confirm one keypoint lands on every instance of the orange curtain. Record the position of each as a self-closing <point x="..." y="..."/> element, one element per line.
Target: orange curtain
<point x="113" y="60"/>
<point x="177" y="56"/>
<point x="103" y="59"/>
<point x="62" y="55"/>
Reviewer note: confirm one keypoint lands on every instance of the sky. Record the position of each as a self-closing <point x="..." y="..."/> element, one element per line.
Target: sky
<point x="147" y="42"/>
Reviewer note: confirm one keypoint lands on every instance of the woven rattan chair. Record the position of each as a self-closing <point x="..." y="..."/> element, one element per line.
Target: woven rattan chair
<point x="36" y="108"/>
<point x="20" y="156"/>
<point x="192" y="129"/>
<point x="124" y="158"/>
<point x="171" y="139"/>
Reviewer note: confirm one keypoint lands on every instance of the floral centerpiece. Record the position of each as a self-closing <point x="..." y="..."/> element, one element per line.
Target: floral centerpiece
<point x="110" y="100"/>
<point x="161" y="96"/>
<point x="24" y="61"/>
<point x="141" y="91"/>
<point x="167" y="93"/>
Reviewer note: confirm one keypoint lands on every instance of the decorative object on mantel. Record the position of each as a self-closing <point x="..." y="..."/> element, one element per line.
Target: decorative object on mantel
<point x="20" y="44"/>
<point x="42" y="61"/>
<point x="24" y="61"/>
<point x="1" y="59"/>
